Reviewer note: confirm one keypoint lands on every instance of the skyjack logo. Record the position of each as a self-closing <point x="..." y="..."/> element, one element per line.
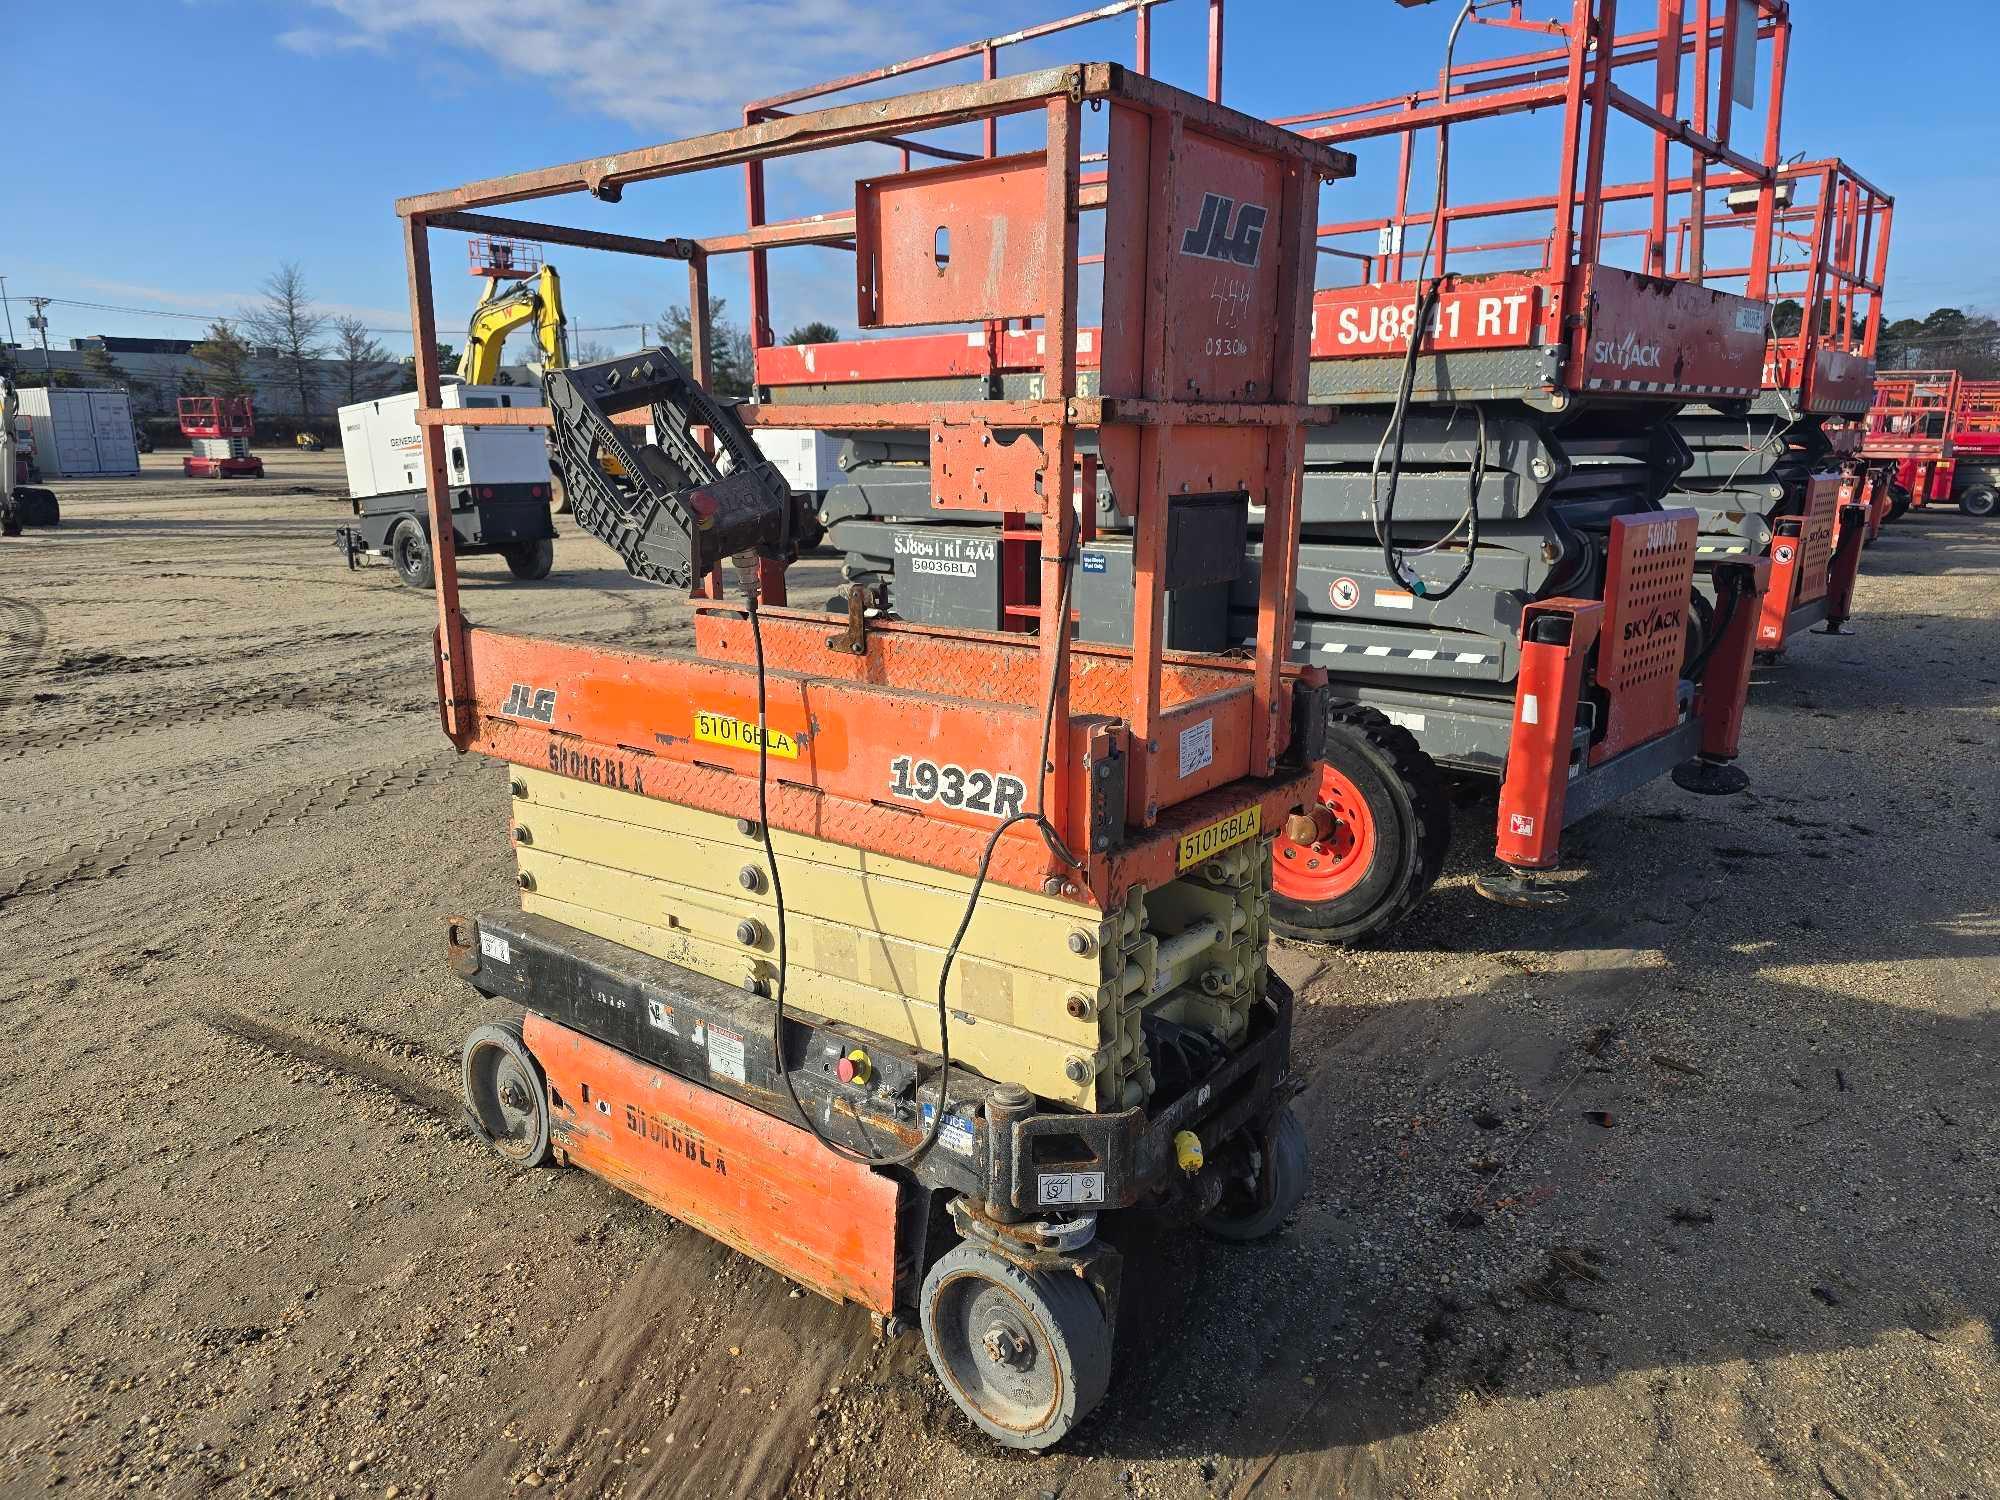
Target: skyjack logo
<point x="1629" y="354"/>
<point x="1212" y="239"/>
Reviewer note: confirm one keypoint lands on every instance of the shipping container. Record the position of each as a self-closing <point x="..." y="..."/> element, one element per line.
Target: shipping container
<point x="80" y="434"/>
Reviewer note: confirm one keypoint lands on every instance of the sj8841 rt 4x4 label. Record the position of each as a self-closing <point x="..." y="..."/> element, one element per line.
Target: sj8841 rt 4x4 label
<point x="988" y="792"/>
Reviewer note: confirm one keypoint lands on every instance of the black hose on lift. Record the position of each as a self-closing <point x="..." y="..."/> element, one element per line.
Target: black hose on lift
<point x="1394" y="558"/>
<point x="1035" y="816"/>
<point x="1732" y="598"/>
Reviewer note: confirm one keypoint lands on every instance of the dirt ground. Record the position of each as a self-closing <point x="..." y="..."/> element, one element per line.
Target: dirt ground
<point x="1690" y="1188"/>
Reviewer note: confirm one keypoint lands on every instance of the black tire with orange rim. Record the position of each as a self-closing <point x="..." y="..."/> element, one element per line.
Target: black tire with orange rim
<point x="1384" y="823"/>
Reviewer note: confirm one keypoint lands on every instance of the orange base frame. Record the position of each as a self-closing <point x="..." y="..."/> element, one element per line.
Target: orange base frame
<point x="756" y="1184"/>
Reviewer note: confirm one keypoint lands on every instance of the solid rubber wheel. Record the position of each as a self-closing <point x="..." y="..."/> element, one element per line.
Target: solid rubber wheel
<point x="37" y="507"/>
<point x="1899" y="502"/>
<point x="1025" y="1354"/>
<point x="1255" y="1204"/>
<point x="1384" y="825"/>
<point x="506" y="1093"/>
<point x="410" y="551"/>
<point x="530" y="560"/>
<point x="1980" y="500"/>
<point x="10" y="521"/>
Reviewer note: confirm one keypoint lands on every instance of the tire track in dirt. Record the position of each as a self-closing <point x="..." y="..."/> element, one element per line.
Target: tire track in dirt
<point x="25" y="632"/>
<point x="80" y="864"/>
<point x="112" y="716"/>
<point x="413" y="1091"/>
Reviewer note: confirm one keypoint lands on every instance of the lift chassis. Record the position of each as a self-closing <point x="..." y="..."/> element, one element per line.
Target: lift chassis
<point x="897" y="956"/>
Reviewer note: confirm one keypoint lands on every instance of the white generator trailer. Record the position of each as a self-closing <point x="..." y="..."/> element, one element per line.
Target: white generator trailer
<point x="499" y="478"/>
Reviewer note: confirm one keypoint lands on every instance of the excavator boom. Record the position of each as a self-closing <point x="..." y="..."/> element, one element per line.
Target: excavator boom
<point x="498" y="314"/>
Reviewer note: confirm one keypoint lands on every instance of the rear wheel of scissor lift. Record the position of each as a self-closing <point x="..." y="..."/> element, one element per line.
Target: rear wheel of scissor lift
<point x="1267" y="1182"/>
<point x="506" y="1093"/>
<point x="1980" y="500"/>
<point x="1025" y="1354"/>
<point x="1364" y="855"/>
<point x="1899" y="502"/>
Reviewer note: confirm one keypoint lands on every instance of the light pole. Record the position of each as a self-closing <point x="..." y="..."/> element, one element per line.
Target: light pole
<point x="40" y="322"/>
<point x="9" y="307"/>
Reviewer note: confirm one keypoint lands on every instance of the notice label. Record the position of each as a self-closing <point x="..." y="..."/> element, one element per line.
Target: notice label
<point x="1064" y="1188"/>
<point x="1394" y="599"/>
<point x="1197" y="747"/>
<point x="725" y="1054"/>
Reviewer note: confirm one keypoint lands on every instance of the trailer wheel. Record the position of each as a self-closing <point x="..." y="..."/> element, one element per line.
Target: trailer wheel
<point x="1025" y="1354"/>
<point x="530" y="560"/>
<point x="1257" y="1201"/>
<point x="506" y="1093"/>
<point x="410" y="551"/>
<point x="1384" y="825"/>
<point x="1980" y="500"/>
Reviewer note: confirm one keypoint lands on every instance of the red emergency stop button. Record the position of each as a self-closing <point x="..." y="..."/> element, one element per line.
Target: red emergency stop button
<point x="853" y="1068"/>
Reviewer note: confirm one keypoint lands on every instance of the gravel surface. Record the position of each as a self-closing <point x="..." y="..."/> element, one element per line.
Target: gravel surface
<point x="1690" y="1187"/>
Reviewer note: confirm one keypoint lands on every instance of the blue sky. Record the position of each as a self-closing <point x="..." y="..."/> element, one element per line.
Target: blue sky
<point x="170" y="153"/>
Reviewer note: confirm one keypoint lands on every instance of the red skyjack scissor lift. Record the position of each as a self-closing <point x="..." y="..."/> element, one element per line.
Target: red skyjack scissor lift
<point x="1547" y="633"/>
<point x="1576" y="367"/>
<point x="218" y="430"/>
<point x="1975" y="440"/>
<point x="1906" y="446"/>
<point x="1784" y="478"/>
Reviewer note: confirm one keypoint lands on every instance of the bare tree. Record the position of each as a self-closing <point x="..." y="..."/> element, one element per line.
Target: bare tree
<point x="290" y="332"/>
<point x="366" y="368"/>
<point x="591" y="352"/>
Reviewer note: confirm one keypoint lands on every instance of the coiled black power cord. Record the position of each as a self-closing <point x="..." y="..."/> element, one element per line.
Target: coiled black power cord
<point x="1035" y="816"/>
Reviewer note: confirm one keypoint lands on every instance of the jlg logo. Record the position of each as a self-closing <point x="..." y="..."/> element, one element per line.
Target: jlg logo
<point x="1665" y="619"/>
<point x="524" y="702"/>
<point x="1212" y="238"/>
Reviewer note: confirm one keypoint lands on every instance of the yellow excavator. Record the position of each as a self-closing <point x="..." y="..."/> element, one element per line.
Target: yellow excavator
<point x="537" y="301"/>
<point x="497" y="314"/>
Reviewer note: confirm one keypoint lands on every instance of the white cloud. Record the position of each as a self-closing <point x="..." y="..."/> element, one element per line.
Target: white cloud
<point x="679" y="66"/>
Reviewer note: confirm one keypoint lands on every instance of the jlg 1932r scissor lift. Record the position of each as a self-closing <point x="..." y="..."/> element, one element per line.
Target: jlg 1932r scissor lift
<point x="1906" y="446"/>
<point x="1783" y="478"/>
<point x="894" y="956"/>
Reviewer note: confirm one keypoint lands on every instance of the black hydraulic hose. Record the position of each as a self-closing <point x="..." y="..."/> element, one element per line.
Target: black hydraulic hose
<point x="1732" y="598"/>
<point x="1036" y="816"/>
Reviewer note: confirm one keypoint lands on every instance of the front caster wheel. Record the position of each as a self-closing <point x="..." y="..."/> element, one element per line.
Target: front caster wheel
<point x="506" y="1093"/>
<point x="1259" y="1199"/>
<point x="1025" y="1354"/>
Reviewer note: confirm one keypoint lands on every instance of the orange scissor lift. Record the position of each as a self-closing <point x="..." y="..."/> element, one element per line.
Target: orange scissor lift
<point x="1783" y="476"/>
<point x="894" y="956"/>
<point x="1907" y="442"/>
